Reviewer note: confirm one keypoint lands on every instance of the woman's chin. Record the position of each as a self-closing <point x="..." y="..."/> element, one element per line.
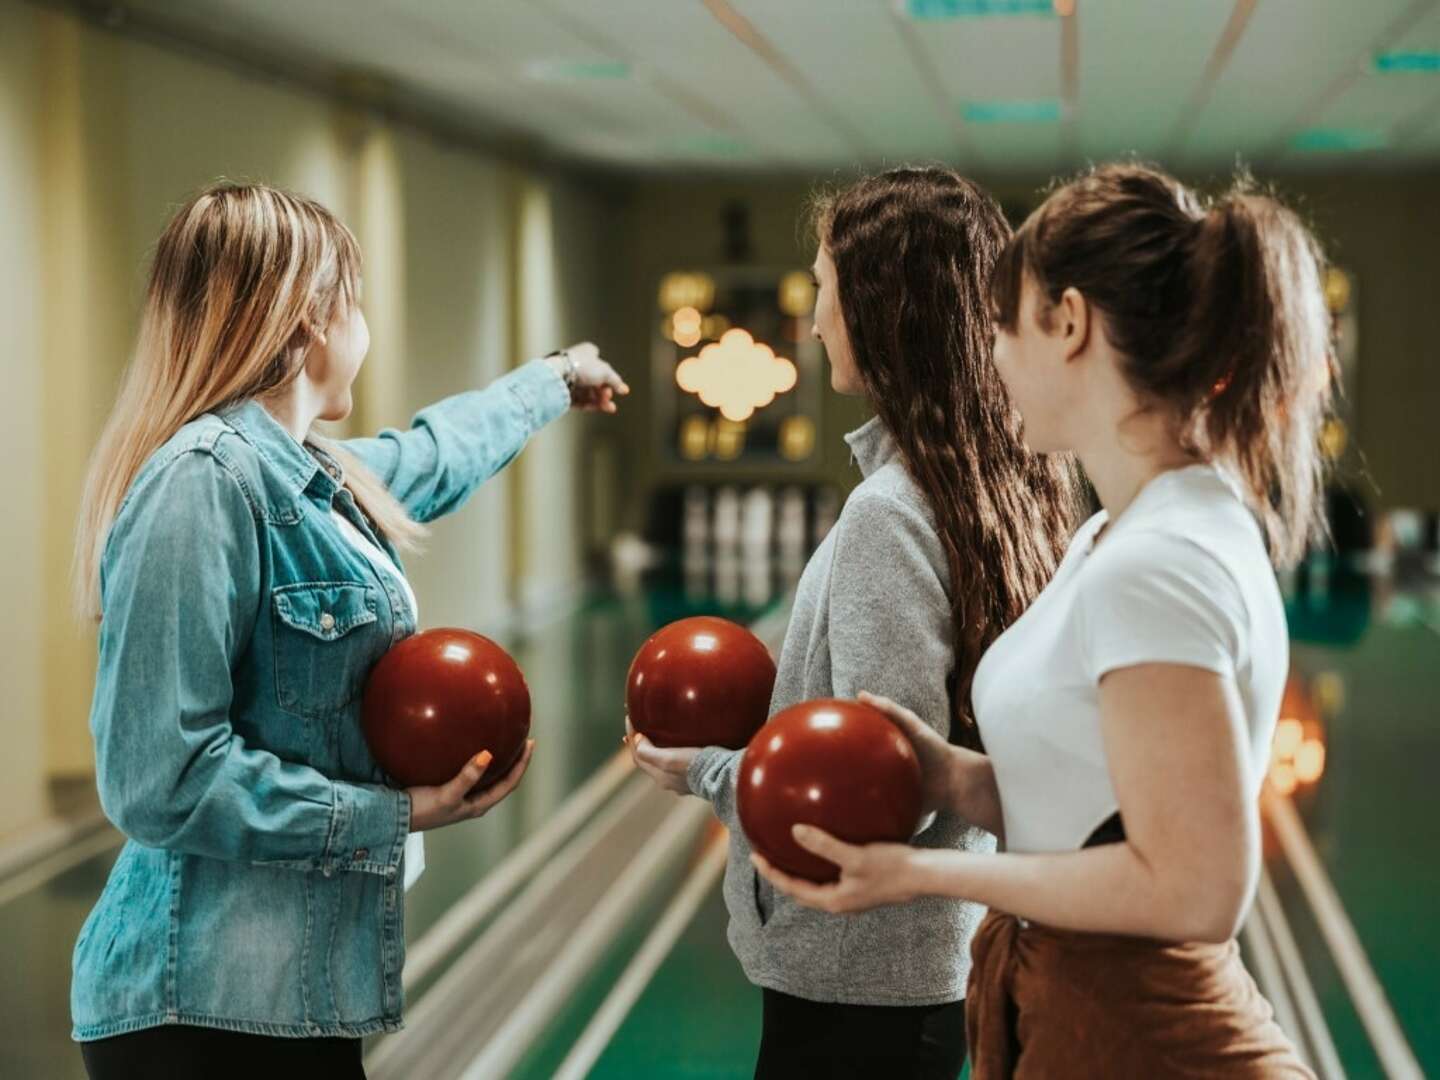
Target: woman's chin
<point x="333" y="414"/>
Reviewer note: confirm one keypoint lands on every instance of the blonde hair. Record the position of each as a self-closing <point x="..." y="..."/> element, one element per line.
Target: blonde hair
<point x="242" y="276"/>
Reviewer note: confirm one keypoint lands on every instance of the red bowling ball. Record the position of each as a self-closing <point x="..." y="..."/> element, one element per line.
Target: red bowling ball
<point x="839" y="765"/>
<point x="701" y="681"/>
<point x="440" y="697"/>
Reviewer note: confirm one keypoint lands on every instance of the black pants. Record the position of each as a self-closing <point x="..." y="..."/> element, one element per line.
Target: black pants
<point x="181" y="1052"/>
<point x="818" y="1041"/>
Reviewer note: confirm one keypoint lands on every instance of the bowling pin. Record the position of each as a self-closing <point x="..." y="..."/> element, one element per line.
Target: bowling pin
<point x="726" y="524"/>
<point x="727" y="576"/>
<point x="790" y="527"/>
<point x="695" y="524"/>
<point x="757" y="523"/>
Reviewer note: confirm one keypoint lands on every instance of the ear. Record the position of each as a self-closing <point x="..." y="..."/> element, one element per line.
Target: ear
<point x="311" y="342"/>
<point x="313" y="332"/>
<point x="1074" y="321"/>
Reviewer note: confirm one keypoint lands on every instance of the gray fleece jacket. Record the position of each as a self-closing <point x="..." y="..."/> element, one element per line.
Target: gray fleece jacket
<point x="871" y="613"/>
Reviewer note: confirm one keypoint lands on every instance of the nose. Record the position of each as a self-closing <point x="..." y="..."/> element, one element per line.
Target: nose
<point x="815" y="331"/>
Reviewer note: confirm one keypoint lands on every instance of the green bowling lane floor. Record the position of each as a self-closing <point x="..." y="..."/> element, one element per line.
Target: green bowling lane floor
<point x="698" y="1019"/>
<point x="1374" y="816"/>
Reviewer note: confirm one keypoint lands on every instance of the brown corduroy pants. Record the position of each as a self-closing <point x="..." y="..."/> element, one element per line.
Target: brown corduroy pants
<point x="1044" y="1004"/>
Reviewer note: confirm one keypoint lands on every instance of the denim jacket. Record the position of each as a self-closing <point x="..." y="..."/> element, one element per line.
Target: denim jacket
<point x="260" y="887"/>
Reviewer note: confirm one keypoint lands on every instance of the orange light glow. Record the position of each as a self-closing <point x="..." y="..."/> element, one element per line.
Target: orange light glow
<point x="1310" y="761"/>
<point x="1289" y="734"/>
<point x="1282" y="778"/>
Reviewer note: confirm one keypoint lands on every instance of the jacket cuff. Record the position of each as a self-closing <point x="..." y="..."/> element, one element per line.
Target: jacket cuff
<point x="368" y="830"/>
<point x="541" y="392"/>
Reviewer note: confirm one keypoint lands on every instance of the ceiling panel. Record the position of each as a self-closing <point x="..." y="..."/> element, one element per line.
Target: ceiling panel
<point x="1377" y="102"/>
<point x="1424" y="36"/>
<point x="1140" y="65"/>
<point x="684" y="45"/>
<point x="1291" y="52"/>
<point x="996" y="59"/>
<point x="855" y="57"/>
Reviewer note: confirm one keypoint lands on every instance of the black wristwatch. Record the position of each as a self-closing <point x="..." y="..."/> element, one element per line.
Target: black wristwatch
<point x="572" y="368"/>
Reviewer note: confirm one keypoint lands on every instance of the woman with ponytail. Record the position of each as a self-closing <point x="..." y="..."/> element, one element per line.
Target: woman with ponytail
<point x="954" y="528"/>
<point x="1182" y="351"/>
<point x="246" y="574"/>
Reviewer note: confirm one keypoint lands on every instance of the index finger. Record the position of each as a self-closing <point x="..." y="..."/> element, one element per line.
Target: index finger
<point x="614" y="381"/>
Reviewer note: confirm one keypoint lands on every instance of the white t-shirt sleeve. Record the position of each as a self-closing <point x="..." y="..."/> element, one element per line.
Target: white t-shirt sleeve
<point x="1156" y="598"/>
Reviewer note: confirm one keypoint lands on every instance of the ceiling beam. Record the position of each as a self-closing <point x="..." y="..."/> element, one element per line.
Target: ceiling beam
<point x="745" y="32"/>
<point x="698" y="106"/>
<point x="930" y="78"/>
<point x="1215" y="67"/>
<point x="1069" y="82"/>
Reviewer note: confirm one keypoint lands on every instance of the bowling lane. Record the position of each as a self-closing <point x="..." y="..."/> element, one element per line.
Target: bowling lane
<point x="1370" y="654"/>
<point x="697" y="1018"/>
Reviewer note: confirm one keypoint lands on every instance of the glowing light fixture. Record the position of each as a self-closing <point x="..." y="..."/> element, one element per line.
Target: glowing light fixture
<point x="1297" y="755"/>
<point x="694" y="438"/>
<point x="1337" y="289"/>
<point x="797" y="438"/>
<point x="686" y="325"/>
<point x="683" y="289"/>
<point x="797" y="294"/>
<point x="737" y="375"/>
<point x="729" y="440"/>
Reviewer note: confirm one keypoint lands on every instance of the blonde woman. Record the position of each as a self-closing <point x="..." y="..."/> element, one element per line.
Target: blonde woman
<point x="246" y="575"/>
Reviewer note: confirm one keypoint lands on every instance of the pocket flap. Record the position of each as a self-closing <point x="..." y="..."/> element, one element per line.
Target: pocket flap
<point x="325" y="609"/>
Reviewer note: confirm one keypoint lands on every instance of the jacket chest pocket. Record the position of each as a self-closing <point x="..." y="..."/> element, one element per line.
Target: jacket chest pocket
<point x="322" y="649"/>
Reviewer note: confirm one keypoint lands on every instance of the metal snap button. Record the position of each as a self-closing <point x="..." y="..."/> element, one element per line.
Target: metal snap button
<point x="361" y="854"/>
<point x="327" y="621"/>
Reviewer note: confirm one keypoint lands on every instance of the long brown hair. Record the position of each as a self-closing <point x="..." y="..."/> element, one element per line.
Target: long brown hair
<point x="242" y="276"/>
<point x="1219" y="312"/>
<point x="913" y="251"/>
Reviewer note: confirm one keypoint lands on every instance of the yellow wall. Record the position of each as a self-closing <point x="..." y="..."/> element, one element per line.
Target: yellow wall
<point x="101" y="138"/>
<point x="457" y="337"/>
<point x="22" y="446"/>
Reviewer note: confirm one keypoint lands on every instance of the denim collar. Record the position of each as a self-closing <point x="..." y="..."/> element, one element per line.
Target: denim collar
<point x="304" y="469"/>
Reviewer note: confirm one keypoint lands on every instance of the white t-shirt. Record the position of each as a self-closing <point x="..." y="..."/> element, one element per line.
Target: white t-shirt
<point x="1181" y="577"/>
<point x="383" y="564"/>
